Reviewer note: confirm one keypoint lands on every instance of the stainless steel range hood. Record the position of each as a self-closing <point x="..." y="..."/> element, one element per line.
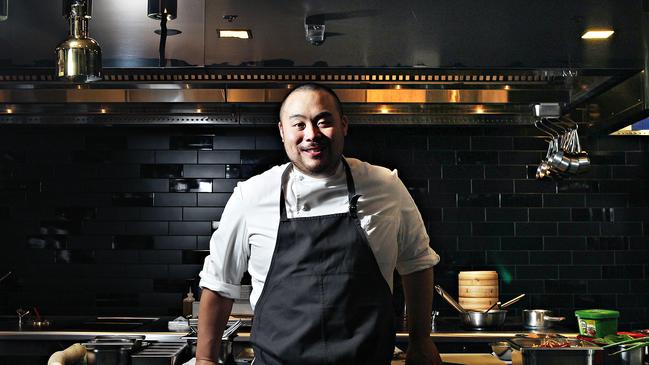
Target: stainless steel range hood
<point x="424" y="63"/>
<point x="250" y="96"/>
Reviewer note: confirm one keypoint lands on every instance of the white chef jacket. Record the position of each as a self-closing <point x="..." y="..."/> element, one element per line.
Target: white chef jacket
<point x="247" y="233"/>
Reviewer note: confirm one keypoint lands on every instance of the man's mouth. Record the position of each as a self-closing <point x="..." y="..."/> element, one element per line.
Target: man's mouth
<point x="313" y="151"/>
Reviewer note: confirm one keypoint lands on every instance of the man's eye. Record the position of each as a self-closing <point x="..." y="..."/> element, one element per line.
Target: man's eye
<point x="324" y="123"/>
<point x="299" y="125"/>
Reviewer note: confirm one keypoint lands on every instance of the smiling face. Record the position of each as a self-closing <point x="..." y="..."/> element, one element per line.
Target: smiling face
<point x="313" y="131"/>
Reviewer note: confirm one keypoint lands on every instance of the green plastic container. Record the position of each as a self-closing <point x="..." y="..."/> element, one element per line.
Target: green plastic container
<point x="597" y="322"/>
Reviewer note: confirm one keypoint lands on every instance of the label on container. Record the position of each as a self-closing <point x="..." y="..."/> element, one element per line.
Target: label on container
<point x="587" y="327"/>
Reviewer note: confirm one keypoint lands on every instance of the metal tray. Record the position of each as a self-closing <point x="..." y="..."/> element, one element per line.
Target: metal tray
<point x="526" y="351"/>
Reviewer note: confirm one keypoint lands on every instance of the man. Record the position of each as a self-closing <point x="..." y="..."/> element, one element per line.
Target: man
<point x="320" y="237"/>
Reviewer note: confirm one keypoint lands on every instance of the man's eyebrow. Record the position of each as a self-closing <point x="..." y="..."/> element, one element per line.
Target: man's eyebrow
<point x="323" y="114"/>
<point x="320" y="115"/>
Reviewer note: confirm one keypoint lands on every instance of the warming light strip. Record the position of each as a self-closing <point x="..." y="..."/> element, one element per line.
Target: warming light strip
<point x="597" y="34"/>
<point x="234" y="33"/>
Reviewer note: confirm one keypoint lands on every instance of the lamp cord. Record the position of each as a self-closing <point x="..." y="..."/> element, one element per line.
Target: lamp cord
<point x="163" y="40"/>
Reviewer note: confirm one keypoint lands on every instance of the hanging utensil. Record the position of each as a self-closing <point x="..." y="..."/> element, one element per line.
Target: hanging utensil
<point x="5" y="276"/>
<point x="450" y="299"/>
<point x="492" y="306"/>
<point x="512" y="301"/>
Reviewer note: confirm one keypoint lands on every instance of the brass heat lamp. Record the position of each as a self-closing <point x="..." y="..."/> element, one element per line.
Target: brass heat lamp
<point x="78" y="58"/>
<point x="4" y="10"/>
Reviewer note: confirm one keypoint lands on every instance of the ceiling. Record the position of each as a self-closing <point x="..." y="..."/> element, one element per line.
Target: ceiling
<point x="369" y="33"/>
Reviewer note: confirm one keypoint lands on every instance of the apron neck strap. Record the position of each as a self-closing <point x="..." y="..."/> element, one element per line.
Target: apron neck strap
<point x="351" y="192"/>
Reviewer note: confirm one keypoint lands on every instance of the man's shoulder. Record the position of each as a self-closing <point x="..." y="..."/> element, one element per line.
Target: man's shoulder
<point x="260" y="185"/>
<point x="371" y="174"/>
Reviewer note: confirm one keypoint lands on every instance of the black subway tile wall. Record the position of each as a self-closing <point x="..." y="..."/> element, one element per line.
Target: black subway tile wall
<point x="118" y="220"/>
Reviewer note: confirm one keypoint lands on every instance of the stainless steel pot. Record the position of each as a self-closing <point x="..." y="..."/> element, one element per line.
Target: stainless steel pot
<point x="112" y="350"/>
<point x="477" y="320"/>
<point x="539" y="318"/>
<point x="484" y="320"/>
<point x="629" y="357"/>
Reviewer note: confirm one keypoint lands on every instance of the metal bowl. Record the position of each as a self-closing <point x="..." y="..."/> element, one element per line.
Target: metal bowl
<point x="481" y="320"/>
<point x="502" y="350"/>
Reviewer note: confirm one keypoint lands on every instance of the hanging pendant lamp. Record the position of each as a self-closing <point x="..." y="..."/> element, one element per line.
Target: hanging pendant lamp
<point x="78" y="58"/>
<point x="4" y="10"/>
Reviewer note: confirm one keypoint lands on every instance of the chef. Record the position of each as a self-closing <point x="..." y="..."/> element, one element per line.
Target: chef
<point x="321" y="237"/>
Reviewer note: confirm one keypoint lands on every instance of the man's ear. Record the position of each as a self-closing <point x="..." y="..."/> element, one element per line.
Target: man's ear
<point x="345" y="123"/>
<point x="281" y="132"/>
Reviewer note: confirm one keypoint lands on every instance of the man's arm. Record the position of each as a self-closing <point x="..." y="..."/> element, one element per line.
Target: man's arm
<point x="213" y="314"/>
<point x="418" y="291"/>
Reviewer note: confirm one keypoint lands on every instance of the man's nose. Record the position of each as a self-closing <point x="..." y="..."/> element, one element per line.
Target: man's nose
<point x="311" y="131"/>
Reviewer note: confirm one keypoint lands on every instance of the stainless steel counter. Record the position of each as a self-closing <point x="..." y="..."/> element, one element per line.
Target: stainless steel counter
<point x="474" y="336"/>
<point x="80" y="336"/>
<point x="78" y="328"/>
<point x="33" y="346"/>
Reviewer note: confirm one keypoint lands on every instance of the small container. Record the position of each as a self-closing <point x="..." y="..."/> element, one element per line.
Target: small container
<point x="597" y="322"/>
<point x="188" y="303"/>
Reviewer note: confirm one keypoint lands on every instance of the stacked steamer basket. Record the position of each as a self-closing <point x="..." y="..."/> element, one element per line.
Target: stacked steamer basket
<point x="478" y="290"/>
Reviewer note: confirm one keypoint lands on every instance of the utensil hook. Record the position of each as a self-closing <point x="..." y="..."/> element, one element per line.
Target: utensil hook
<point x="555" y="128"/>
<point x="545" y="129"/>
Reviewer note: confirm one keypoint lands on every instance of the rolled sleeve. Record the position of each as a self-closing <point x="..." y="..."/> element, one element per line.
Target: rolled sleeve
<point x="427" y="259"/>
<point x="209" y="280"/>
<point x="415" y="253"/>
<point x="228" y="259"/>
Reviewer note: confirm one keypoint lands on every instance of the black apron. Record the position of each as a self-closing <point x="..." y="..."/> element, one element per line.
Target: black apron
<point x="324" y="301"/>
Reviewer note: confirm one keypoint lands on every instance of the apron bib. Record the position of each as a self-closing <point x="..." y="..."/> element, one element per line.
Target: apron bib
<point x="325" y="301"/>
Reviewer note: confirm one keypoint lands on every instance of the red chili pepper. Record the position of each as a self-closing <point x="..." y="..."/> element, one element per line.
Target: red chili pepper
<point x="633" y="334"/>
<point x="594" y="340"/>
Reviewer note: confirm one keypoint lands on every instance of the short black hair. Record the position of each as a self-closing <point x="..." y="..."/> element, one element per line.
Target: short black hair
<point x="314" y="86"/>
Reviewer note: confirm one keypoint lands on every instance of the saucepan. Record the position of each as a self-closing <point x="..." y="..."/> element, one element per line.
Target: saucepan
<point x="539" y="318"/>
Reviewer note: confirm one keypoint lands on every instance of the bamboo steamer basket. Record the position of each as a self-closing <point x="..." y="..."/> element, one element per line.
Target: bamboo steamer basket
<point x="477" y="304"/>
<point x="483" y="275"/>
<point x="478" y="290"/>
<point x="478" y="282"/>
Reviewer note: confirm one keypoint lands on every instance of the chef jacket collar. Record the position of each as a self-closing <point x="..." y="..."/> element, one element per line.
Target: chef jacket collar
<point x="339" y="174"/>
